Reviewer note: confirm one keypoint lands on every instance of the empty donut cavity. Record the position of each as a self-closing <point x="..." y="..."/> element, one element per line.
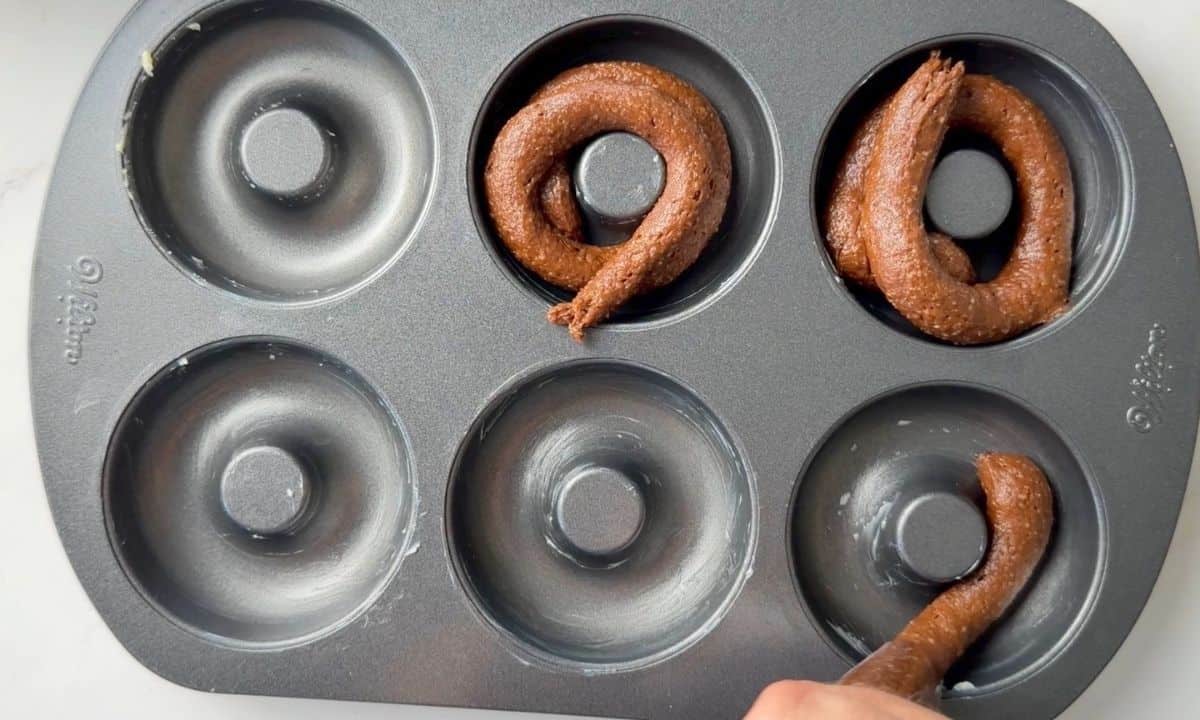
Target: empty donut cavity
<point x="258" y="165"/>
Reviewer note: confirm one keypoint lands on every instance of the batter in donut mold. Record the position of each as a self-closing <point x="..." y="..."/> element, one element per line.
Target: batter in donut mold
<point x="529" y="195"/>
<point x="1020" y="514"/>
<point x="874" y="226"/>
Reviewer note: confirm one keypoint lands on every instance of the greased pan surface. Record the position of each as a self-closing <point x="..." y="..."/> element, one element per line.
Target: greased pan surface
<point x="267" y="426"/>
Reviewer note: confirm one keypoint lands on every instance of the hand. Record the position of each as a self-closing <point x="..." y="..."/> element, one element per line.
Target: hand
<point x="806" y="700"/>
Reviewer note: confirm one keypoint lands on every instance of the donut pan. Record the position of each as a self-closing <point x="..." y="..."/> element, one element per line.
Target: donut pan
<point x="305" y="430"/>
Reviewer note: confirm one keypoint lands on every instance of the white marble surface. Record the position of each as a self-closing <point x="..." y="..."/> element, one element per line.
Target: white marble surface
<point x="57" y="659"/>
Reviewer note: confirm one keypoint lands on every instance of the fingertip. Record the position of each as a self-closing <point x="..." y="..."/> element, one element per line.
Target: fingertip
<point x="784" y="699"/>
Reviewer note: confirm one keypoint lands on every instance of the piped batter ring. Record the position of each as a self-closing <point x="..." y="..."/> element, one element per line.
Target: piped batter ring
<point x="874" y="226"/>
<point x="528" y="186"/>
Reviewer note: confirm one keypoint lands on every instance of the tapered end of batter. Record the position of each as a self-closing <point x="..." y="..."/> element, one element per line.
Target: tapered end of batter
<point x="564" y="314"/>
<point x="1008" y="476"/>
<point x="935" y="80"/>
<point x="996" y="462"/>
<point x="940" y="66"/>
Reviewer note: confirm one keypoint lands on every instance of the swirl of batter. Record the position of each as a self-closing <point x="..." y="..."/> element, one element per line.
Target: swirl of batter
<point x="1020" y="512"/>
<point x="528" y="186"/>
<point x="875" y="229"/>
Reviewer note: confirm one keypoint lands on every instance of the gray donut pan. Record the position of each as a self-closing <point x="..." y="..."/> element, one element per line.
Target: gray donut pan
<point x="779" y="357"/>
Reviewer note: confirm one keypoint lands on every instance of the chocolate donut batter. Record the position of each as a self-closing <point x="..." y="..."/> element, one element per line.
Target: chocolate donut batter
<point x="1020" y="514"/>
<point x="528" y="185"/>
<point x="843" y="216"/>
<point x="874" y="223"/>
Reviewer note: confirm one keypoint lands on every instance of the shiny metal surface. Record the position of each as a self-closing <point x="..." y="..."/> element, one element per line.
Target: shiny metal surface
<point x="197" y="496"/>
<point x="970" y="194"/>
<point x="262" y="165"/>
<point x="618" y="178"/>
<point x="607" y="589"/>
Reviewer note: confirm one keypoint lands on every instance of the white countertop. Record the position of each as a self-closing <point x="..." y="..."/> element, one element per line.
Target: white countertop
<point x="58" y="659"/>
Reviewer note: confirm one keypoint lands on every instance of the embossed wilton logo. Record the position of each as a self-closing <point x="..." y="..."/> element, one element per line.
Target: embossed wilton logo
<point x="1149" y="383"/>
<point x="81" y="304"/>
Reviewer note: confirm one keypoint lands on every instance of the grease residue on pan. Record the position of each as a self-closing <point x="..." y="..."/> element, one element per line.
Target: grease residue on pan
<point x="259" y="493"/>
<point x="279" y="176"/>
<point x="600" y="515"/>
<point x="850" y="560"/>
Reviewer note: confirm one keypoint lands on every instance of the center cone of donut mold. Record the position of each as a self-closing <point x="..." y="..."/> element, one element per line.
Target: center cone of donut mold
<point x="940" y="537"/>
<point x="264" y="490"/>
<point x="969" y="194"/>
<point x="285" y="152"/>
<point x="618" y="178"/>
<point x="600" y="511"/>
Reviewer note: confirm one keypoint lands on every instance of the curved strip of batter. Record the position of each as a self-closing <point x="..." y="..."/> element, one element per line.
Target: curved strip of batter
<point x="1020" y="512"/>
<point x="1032" y="287"/>
<point x="843" y="214"/>
<point x="529" y="194"/>
<point x="558" y="198"/>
